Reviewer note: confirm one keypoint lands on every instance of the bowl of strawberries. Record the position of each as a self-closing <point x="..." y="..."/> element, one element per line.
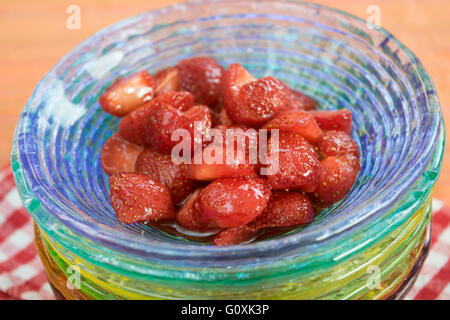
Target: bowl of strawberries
<point x="222" y="149"/>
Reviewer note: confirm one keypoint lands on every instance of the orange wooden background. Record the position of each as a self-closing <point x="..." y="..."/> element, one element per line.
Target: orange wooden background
<point x="33" y="37"/>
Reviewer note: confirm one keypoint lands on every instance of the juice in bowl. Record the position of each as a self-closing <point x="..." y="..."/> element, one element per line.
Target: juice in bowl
<point x="368" y="245"/>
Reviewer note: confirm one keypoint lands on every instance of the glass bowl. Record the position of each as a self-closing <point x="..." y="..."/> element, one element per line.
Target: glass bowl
<point x="340" y="60"/>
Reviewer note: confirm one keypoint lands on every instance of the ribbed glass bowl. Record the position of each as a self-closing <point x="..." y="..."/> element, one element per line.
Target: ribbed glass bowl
<point x="338" y="59"/>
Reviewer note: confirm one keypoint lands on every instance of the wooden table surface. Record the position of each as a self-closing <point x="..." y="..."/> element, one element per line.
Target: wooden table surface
<point x="34" y="36"/>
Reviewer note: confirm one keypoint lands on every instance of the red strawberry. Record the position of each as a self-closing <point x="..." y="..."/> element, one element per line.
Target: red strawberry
<point x="334" y="119"/>
<point x="128" y="94"/>
<point x="352" y="160"/>
<point x="301" y="101"/>
<point x="160" y="167"/>
<point x="337" y="143"/>
<point x="219" y="162"/>
<point x="236" y="77"/>
<point x="165" y="120"/>
<point x="212" y="171"/>
<point x="200" y="116"/>
<point x="283" y="210"/>
<point x="236" y="235"/>
<point x="167" y="80"/>
<point x="336" y="179"/>
<point x="133" y="127"/>
<point x="137" y="198"/>
<point x="119" y="155"/>
<point x="297" y="165"/>
<point x="189" y="216"/>
<point x="258" y="102"/>
<point x="233" y="202"/>
<point x="297" y="121"/>
<point x="178" y="100"/>
<point x="203" y="77"/>
<point x="220" y="116"/>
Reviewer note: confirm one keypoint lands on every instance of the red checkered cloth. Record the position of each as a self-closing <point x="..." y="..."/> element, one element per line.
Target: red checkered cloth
<point x="22" y="275"/>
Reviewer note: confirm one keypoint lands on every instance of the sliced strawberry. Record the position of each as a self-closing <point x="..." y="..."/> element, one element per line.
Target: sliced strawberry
<point x="220" y="117"/>
<point x="201" y="117"/>
<point x="133" y="127"/>
<point x="128" y="94"/>
<point x="201" y="114"/>
<point x="258" y="102"/>
<point x="352" y="160"/>
<point x="189" y="216"/>
<point x="218" y="161"/>
<point x="137" y="198"/>
<point x="337" y="143"/>
<point x="119" y="155"/>
<point x="203" y="77"/>
<point x="297" y="121"/>
<point x="336" y="179"/>
<point x="212" y="171"/>
<point x="178" y="100"/>
<point x="340" y="120"/>
<point x="236" y="77"/>
<point x="301" y="101"/>
<point x="165" y="120"/>
<point x="283" y="210"/>
<point x="233" y="202"/>
<point x="160" y="167"/>
<point x="297" y="165"/>
<point x="167" y="80"/>
<point x="236" y="235"/>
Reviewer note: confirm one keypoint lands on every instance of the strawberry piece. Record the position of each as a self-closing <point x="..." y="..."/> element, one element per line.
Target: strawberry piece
<point x="190" y="217"/>
<point x="200" y="116"/>
<point x="166" y="80"/>
<point x="137" y="198"/>
<point x="337" y="143"/>
<point x="233" y="202"/>
<point x="335" y="181"/>
<point x="128" y="94"/>
<point x="160" y="167"/>
<point x="218" y="161"/>
<point x="297" y="121"/>
<point x="352" y="160"/>
<point x="119" y="155"/>
<point x="301" y="101"/>
<point x="133" y="127"/>
<point x="203" y="77"/>
<point x="283" y="210"/>
<point x="236" y="235"/>
<point x="340" y="120"/>
<point x="258" y="102"/>
<point x="212" y="171"/>
<point x="220" y="117"/>
<point x="236" y="77"/>
<point x="182" y="101"/>
<point x="165" y="120"/>
<point x="297" y="165"/>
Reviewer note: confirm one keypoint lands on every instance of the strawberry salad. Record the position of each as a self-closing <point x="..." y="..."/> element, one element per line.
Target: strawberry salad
<point x="219" y="155"/>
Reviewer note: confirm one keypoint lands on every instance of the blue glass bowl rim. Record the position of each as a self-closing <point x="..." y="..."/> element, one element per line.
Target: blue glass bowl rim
<point x="104" y="235"/>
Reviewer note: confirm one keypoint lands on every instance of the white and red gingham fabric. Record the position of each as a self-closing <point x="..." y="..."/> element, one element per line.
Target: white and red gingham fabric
<point x="22" y="275"/>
